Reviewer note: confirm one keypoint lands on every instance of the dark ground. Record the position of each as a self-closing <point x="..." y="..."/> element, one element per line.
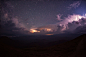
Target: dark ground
<point x="71" y="48"/>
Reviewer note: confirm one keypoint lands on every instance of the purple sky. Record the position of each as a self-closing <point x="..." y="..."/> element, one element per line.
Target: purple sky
<point x="36" y="17"/>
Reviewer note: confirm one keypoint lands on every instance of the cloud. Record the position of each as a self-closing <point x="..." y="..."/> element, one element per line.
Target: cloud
<point x="70" y="19"/>
<point x="59" y="17"/>
<point x="68" y="24"/>
<point x="74" y="5"/>
<point x="80" y="29"/>
<point x="77" y="26"/>
<point x="10" y="25"/>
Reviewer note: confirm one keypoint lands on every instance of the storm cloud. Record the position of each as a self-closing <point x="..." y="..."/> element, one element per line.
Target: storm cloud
<point x="10" y="25"/>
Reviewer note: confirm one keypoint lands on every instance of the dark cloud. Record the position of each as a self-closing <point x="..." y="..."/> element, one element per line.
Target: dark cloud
<point x="82" y="21"/>
<point x="80" y="30"/>
<point x="9" y="24"/>
<point x="73" y="25"/>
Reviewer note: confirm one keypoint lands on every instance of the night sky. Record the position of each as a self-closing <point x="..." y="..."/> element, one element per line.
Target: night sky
<point x="43" y="17"/>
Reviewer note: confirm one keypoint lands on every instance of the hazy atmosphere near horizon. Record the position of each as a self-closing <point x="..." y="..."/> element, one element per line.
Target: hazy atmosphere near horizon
<point x="42" y="17"/>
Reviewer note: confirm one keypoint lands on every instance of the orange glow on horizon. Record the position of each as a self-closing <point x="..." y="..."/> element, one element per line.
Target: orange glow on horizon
<point x="46" y="29"/>
<point x="49" y="34"/>
<point x="33" y="30"/>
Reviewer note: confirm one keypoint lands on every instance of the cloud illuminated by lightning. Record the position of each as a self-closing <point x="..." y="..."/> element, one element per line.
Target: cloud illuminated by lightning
<point x="60" y="27"/>
<point x="33" y="30"/>
<point x="71" y="18"/>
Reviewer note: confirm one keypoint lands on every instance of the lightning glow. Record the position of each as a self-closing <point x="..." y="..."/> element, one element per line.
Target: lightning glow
<point x="71" y="18"/>
<point x="49" y="34"/>
<point x="47" y="29"/>
<point x="33" y="30"/>
<point x="75" y="18"/>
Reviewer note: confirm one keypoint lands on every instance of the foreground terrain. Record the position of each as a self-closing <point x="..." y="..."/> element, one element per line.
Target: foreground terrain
<point x="72" y="48"/>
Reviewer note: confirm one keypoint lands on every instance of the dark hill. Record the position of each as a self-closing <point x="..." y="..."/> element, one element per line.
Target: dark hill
<point x="73" y="48"/>
<point x="7" y="50"/>
<point x="8" y="41"/>
<point x="66" y="49"/>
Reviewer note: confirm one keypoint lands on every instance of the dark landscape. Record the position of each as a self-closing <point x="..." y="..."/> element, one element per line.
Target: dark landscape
<point x="72" y="48"/>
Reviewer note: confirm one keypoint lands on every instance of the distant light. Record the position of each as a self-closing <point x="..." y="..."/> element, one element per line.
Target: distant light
<point x="79" y="17"/>
<point x="33" y="30"/>
<point x="48" y="29"/>
<point x="49" y="34"/>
